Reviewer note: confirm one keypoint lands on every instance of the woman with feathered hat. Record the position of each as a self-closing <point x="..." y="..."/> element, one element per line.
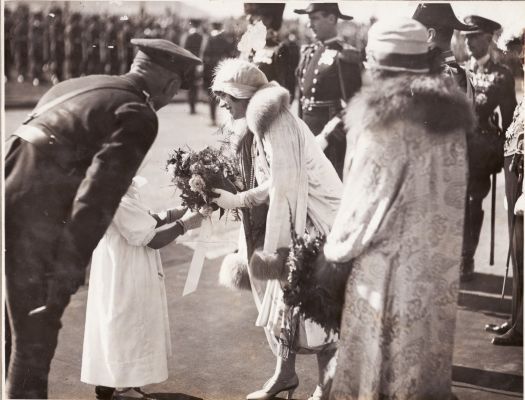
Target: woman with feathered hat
<point x="286" y="170"/>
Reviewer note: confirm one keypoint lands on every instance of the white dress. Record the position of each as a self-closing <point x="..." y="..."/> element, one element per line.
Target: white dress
<point x="126" y="339"/>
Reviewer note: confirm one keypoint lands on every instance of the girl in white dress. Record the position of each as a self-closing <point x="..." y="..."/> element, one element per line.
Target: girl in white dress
<point x="127" y="336"/>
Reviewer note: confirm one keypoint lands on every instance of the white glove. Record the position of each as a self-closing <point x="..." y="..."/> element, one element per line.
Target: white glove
<point x="519" y="207"/>
<point x="228" y="200"/>
<point x="191" y="220"/>
<point x="322" y="138"/>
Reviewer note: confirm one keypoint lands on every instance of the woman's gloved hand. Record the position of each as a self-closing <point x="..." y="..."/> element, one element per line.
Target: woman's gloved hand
<point x="228" y="200"/>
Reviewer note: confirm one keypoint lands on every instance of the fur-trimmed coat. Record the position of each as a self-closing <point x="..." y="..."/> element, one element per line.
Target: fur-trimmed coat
<point x="299" y="185"/>
<point x="401" y="223"/>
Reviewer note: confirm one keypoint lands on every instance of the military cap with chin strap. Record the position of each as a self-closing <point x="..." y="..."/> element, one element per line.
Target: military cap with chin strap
<point x="331" y="8"/>
<point x="481" y="24"/>
<point x="168" y="55"/>
<point x="439" y="15"/>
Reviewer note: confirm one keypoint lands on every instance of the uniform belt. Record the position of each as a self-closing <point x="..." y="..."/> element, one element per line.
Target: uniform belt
<point x="60" y="151"/>
<point x="306" y="103"/>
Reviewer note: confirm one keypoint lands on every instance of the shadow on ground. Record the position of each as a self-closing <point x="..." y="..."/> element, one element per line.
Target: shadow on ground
<point x="483" y="294"/>
<point x="164" y="396"/>
<point x="488" y="379"/>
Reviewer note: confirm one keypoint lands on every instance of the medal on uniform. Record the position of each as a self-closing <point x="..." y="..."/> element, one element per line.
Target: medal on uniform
<point x="328" y="56"/>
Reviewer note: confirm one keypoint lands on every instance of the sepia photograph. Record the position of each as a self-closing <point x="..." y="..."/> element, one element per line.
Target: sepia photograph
<point x="220" y="200"/>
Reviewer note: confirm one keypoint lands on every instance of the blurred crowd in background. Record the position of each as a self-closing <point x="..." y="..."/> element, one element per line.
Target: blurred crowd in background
<point x="53" y="43"/>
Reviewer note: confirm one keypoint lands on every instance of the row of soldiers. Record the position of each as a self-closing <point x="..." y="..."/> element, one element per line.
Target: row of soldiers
<point x="56" y="45"/>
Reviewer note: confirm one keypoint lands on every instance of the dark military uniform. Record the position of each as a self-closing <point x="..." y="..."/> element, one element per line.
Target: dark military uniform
<point x="278" y="62"/>
<point x="8" y="42"/>
<point x="494" y="87"/>
<point x="74" y="47"/>
<point x="217" y="48"/>
<point x="92" y="41"/>
<point x="36" y="47"/>
<point x="56" y="46"/>
<point x="21" y="41"/>
<point x="65" y="174"/>
<point x="111" y="51"/>
<point x="329" y="75"/>
<point x="193" y="43"/>
<point x="125" y="48"/>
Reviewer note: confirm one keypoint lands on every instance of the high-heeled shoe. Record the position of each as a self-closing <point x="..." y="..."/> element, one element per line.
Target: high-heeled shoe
<point x="320" y="393"/>
<point x="273" y="387"/>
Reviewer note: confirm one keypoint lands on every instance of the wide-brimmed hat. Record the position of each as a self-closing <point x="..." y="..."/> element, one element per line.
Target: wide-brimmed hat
<point x="331" y="8"/>
<point x="398" y="44"/>
<point x="439" y="15"/>
<point x="481" y="25"/>
<point x="168" y="55"/>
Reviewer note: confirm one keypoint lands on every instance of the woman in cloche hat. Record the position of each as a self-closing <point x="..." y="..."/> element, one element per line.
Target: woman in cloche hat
<point x="400" y="222"/>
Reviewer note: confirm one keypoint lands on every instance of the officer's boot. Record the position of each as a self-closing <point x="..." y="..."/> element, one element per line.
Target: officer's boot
<point x="471" y="235"/>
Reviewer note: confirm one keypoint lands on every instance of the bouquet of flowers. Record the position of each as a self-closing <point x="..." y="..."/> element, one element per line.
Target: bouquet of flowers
<point x="314" y="285"/>
<point x="196" y="173"/>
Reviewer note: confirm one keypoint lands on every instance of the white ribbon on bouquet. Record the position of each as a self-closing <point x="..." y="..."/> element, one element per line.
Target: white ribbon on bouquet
<point x="197" y="262"/>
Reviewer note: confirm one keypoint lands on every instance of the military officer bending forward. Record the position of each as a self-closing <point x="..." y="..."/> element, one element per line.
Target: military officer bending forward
<point x="66" y="169"/>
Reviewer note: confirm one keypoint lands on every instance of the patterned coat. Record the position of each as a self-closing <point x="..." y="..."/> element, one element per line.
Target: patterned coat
<point x="401" y="223"/>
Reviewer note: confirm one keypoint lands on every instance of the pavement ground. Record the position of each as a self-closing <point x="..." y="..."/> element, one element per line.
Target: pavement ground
<point x="220" y="354"/>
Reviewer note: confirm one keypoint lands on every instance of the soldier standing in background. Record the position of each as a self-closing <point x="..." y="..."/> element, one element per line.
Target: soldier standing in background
<point x="36" y="47"/>
<point x="277" y="59"/>
<point x="193" y="43"/>
<point x="74" y="48"/>
<point x="125" y="47"/>
<point x="21" y="41"/>
<point x="56" y="45"/>
<point x="217" y="48"/>
<point x="329" y="74"/>
<point x="8" y="37"/>
<point x="92" y="37"/>
<point x="494" y="88"/>
<point x="111" y="60"/>
<point x="440" y="21"/>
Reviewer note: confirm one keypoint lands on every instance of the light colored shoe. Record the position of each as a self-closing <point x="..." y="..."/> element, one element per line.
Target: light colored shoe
<point x="318" y="394"/>
<point x="274" y="386"/>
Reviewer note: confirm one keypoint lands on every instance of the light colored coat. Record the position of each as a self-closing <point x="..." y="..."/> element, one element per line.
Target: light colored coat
<point x="300" y="184"/>
<point x="401" y="223"/>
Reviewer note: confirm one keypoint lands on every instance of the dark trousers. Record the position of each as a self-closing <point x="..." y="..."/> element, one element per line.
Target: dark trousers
<point x="212" y="100"/>
<point x="513" y="190"/>
<point x="316" y="119"/>
<point x="192" y="97"/>
<point x="38" y="196"/>
<point x="478" y="188"/>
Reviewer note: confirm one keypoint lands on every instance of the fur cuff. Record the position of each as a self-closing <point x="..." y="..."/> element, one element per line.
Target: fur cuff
<point x="234" y="272"/>
<point x="266" y="266"/>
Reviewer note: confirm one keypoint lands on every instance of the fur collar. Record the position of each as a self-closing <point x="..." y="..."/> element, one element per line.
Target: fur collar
<point x="434" y="102"/>
<point x="265" y="105"/>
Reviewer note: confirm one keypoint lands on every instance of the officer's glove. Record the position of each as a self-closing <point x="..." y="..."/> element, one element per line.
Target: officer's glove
<point x="229" y="200"/>
<point x="519" y="207"/>
<point x="331" y="128"/>
<point x="191" y="220"/>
